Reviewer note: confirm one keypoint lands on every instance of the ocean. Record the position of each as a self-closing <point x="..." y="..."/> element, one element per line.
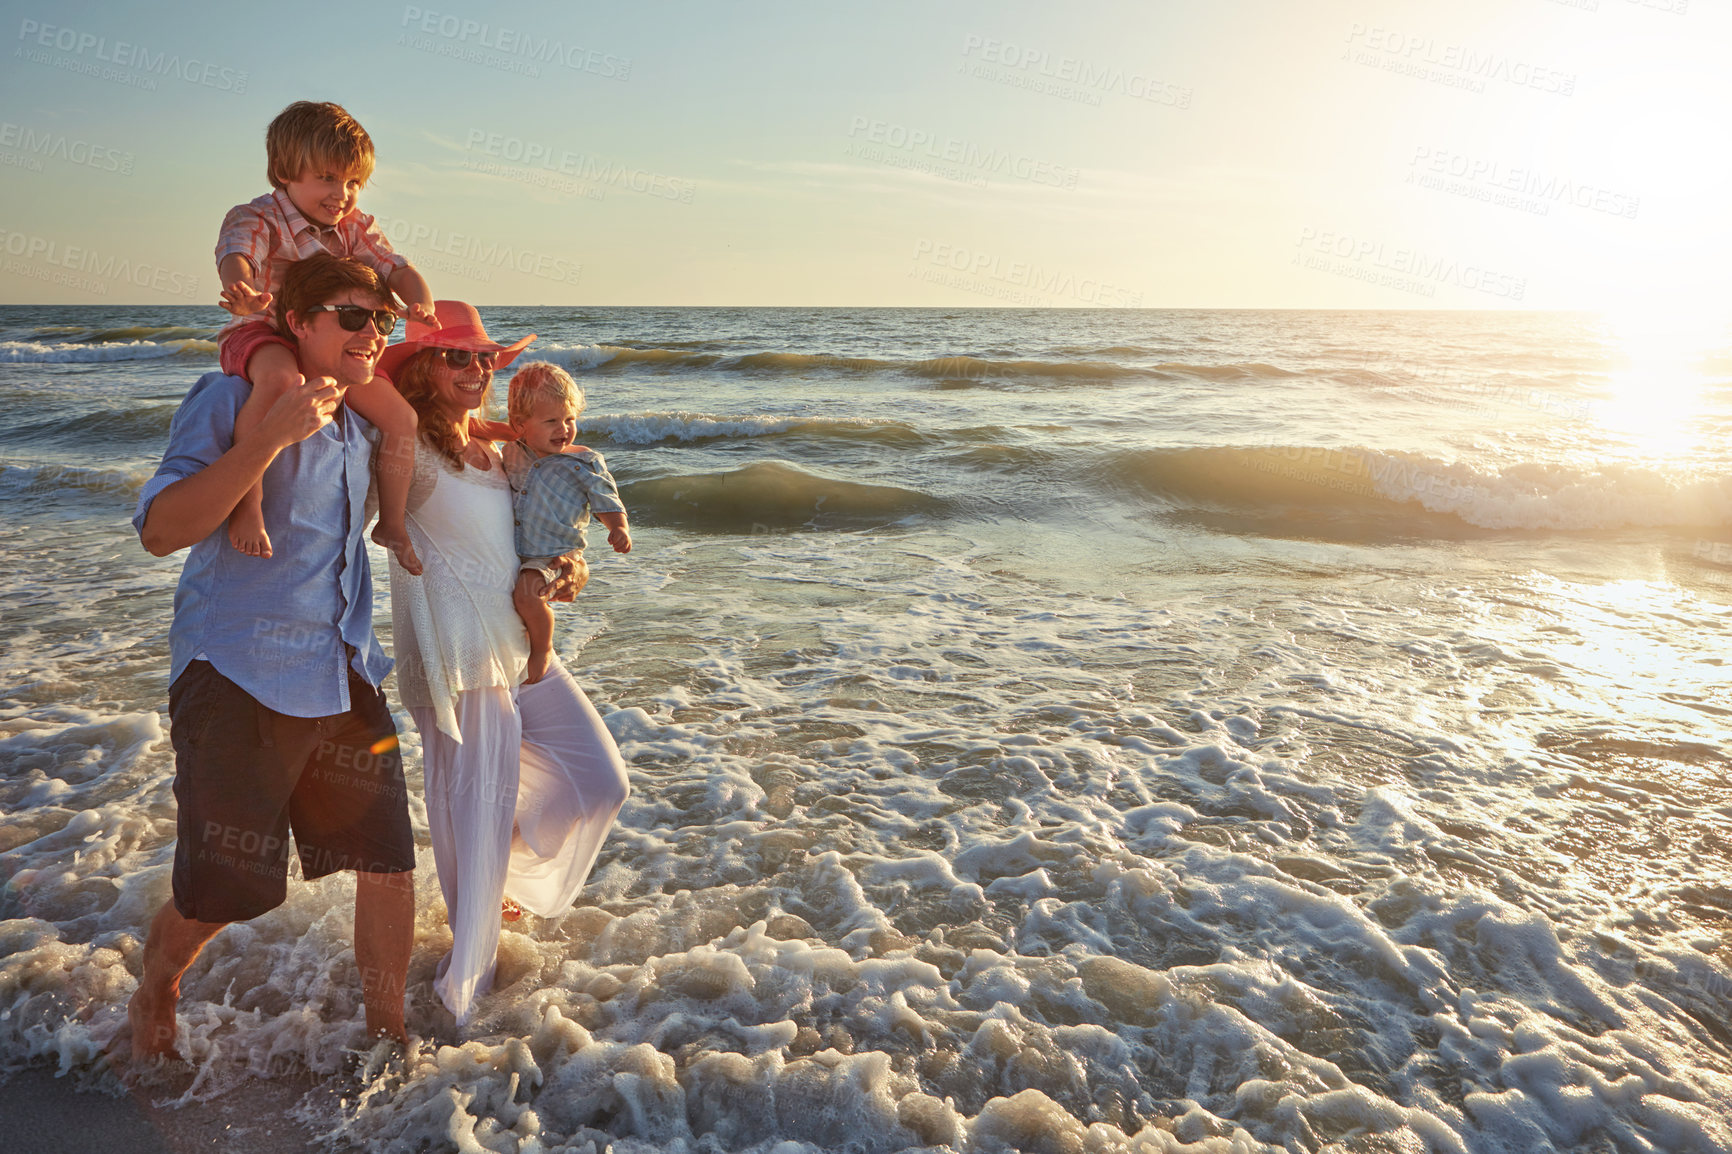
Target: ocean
<point x="1064" y="731"/>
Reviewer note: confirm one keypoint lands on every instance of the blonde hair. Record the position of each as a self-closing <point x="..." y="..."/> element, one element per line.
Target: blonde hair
<point x="540" y="380"/>
<point x="414" y="381"/>
<point x="316" y="136"/>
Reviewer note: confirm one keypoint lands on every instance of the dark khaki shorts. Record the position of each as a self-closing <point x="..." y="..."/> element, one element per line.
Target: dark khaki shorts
<point x="246" y="776"/>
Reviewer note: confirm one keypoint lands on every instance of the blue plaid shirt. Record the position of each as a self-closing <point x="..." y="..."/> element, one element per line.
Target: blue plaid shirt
<point x="554" y="496"/>
<point x="280" y="627"/>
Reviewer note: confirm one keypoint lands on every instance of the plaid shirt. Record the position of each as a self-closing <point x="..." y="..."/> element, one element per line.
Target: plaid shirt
<point x="554" y="495"/>
<point x="272" y="234"/>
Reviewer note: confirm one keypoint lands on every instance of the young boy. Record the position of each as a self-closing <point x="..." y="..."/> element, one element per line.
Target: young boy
<point x="317" y="158"/>
<point x="555" y="486"/>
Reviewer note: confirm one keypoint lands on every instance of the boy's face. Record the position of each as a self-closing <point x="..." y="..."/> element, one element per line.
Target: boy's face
<point x="550" y="425"/>
<point x="324" y="196"/>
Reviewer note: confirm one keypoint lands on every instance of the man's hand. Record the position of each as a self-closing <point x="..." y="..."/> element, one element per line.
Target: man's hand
<point x="573" y="576"/>
<point x="300" y="412"/>
<point x="243" y="300"/>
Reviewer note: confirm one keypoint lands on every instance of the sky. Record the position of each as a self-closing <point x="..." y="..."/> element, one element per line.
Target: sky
<point x="1484" y="154"/>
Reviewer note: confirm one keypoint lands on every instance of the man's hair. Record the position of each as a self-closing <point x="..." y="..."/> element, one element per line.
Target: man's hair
<point x="320" y="277"/>
<point x="540" y="380"/>
<point x="321" y="137"/>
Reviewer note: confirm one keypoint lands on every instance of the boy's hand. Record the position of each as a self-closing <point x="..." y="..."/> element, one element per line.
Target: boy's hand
<point x="422" y="314"/>
<point x="620" y="539"/>
<point x="243" y="300"/>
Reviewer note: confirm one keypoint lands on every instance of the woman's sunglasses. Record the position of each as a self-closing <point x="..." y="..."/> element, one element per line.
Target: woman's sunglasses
<point x="354" y="318"/>
<point x="460" y="358"/>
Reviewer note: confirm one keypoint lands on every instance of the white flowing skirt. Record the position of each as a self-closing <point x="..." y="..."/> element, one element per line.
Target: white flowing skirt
<point x="520" y="806"/>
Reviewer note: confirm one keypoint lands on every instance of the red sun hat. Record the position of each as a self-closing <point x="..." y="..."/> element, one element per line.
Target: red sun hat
<point x="459" y="328"/>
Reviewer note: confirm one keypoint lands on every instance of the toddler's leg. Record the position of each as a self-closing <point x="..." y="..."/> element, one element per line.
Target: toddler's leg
<point x="537" y="617"/>
<point x="273" y="370"/>
<point x="395" y="419"/>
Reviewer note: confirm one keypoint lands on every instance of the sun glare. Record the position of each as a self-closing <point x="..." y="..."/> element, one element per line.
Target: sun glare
<point x="1656" y="388"/>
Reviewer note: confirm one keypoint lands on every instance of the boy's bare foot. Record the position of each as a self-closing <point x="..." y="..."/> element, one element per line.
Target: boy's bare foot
<point x="152" y="1020"/>
<point x="537" y="668"/>
<point x="397" y="540"/>
<point x="247" y="532"/>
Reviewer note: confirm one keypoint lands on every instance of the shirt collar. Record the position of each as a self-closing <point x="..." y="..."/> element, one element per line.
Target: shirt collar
<point x="298" y="224"/>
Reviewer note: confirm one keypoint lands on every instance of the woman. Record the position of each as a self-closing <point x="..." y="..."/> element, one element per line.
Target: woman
<point x="522" y="781"/>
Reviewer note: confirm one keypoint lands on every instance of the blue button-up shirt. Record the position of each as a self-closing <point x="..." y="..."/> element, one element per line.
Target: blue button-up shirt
<point x="277" y="626"/>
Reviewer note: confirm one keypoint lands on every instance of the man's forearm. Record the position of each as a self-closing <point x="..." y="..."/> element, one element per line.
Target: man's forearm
<point x="194" y="507"/>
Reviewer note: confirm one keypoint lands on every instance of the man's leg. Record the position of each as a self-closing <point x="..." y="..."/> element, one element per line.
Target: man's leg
<point x="169" y="951"/>
<point x="384" y="933"/>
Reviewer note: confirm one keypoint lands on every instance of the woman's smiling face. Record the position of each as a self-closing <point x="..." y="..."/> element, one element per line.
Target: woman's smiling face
<point x="458" y="392"/>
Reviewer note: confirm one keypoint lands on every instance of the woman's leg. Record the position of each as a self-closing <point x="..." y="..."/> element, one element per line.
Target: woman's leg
<point x="573" y="784"/>
<point x="471" y="801"/>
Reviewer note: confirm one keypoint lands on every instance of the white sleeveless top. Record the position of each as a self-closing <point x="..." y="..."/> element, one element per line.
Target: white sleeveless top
<point x="454" y="627"/>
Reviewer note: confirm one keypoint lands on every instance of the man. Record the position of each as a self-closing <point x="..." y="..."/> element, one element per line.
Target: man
<point x="275" y="712"/>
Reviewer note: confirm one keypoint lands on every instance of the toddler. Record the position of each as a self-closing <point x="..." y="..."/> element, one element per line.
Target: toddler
<point x="555" y="486"/>
<point x="317" y="158"/>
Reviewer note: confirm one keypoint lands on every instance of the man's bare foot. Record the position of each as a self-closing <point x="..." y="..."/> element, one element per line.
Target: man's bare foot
<point x="247" y="533"/>
<point x="537" y="668"/>
<point x="386" y="1028"/>
<point x="397" y="540"/>
<point x="153" y="1024"/>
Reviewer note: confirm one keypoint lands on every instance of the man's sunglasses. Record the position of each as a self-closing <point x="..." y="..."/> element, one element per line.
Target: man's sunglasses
<point x="354" y="318"/>
<point x="460" y="358"/>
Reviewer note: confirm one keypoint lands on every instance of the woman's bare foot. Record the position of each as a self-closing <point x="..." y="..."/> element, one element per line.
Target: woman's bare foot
<point x="537" y="668"/>
<point x="396" y="539"/>
<point x="510" y="911"/>
<point x="247" y="531"/>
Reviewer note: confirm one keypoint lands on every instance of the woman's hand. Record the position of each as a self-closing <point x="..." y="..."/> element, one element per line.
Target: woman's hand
<point x="573" y="576"/>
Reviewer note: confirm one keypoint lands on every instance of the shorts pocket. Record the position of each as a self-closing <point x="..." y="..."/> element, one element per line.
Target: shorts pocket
<point x="195" y="699"/>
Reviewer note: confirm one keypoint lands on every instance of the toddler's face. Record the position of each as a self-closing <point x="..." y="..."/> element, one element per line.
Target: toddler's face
<point x="324" y="197"/>
<point x="550" y="426"/>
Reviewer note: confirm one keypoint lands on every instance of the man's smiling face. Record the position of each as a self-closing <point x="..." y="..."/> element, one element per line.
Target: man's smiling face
<point x="330" y="350"/>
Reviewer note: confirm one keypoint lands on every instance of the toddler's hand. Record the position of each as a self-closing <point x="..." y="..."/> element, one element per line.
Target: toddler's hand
<point x="620" y="539"/>
<point x="423" y="314"/>
<point x="243" y="300"/>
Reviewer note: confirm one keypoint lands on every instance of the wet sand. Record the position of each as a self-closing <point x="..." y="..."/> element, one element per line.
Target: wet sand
<point x="50" y="1115"/>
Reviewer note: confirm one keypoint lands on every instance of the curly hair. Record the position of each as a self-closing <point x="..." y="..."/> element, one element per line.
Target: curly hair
<point x="414" y="380"/>
<point x="540" y="380"/>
